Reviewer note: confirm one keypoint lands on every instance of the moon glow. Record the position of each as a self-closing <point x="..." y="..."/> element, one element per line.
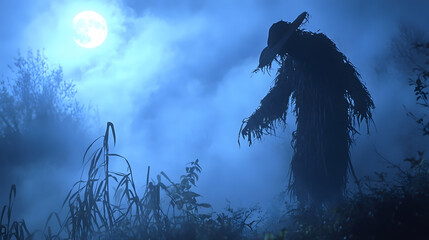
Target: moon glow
<point x="90" y="29"/>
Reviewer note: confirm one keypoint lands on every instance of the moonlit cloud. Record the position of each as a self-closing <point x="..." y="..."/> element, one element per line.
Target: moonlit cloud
<point x="175" y="77"/>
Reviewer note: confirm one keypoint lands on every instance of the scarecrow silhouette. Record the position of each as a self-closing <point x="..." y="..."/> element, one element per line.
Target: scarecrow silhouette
<point x="329" y="99"/>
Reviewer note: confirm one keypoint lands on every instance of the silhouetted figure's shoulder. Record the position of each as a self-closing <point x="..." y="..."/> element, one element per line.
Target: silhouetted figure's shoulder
<point x="315" y="49"/>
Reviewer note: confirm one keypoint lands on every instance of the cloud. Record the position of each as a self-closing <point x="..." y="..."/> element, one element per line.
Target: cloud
<point x="175" y="79"/>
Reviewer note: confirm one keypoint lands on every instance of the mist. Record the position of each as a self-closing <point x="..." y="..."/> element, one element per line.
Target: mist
<point x="175" y="79"/>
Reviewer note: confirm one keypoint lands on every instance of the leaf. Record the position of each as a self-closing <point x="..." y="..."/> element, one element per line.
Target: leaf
<point x="113" y="132"/>
<point x="179" y="204"/>
<point x="193" y="181"/>
<point x="204" y="205"/>
<point x="86" y="151"/>
<point x="165" y="175"/>
<point x="190" y="194"/>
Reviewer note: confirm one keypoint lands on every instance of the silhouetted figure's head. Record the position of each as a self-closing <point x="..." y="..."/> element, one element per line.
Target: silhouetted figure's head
<point x="278" y="35"/>
<point x="276" y="32"/>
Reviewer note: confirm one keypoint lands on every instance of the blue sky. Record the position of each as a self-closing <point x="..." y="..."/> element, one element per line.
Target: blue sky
<point x="175" y="77"/>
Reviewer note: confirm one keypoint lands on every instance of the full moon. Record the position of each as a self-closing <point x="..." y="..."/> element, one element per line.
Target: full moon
<point x="90" y="29"/>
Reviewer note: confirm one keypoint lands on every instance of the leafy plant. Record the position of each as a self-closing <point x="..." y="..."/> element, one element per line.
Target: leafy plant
<point x="420" y="84"/>
<point x="181" y="195"/>
<point x="95" y="212"/>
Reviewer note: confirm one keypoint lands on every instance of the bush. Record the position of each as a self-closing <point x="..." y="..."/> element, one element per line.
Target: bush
<point x="37" y="110"/>
<point x="386" y="209"/>
<point x="35" y="95"/>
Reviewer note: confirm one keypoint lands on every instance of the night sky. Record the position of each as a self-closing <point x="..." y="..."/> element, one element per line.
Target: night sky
<point x="175" y="77"/>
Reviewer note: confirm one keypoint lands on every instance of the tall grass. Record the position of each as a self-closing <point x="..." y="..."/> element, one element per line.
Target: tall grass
<point x="105" y="204"/>
<point x="12" y="229"/>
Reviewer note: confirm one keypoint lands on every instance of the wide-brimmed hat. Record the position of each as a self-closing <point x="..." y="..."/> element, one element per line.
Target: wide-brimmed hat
<point x="269" y="53"/>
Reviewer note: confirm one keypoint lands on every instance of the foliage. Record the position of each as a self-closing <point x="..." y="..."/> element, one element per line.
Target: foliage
<point x="420" y="84"/>
<point x="387" y="209"/>
<point x="36" y="103"/>
<point x="35" y="94"/>
<point x="12" y="229"/>
<point x="106" y="205"/>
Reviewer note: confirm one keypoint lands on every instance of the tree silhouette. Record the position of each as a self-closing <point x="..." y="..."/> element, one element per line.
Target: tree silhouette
<point x="37" y="110"/>
<point x="34" y="94"/>
<point x="329" y="99"/>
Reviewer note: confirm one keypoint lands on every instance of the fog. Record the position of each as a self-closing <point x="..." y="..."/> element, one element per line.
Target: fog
<point x="176" y="80"/>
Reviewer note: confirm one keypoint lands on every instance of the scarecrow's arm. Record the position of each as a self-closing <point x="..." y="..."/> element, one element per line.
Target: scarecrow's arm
<point x="273" y="108"/>
<point x="361" y="101"/>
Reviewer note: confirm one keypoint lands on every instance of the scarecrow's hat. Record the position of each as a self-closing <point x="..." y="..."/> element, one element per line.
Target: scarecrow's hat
<point x="278" y="35"/>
